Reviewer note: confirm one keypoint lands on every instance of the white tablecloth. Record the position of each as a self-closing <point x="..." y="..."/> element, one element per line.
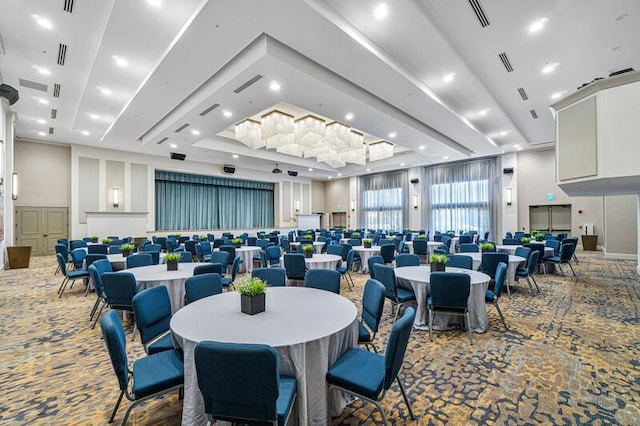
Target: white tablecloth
<point x="511" y="249"/>
<point x="417" y="278"/>
<point x="246" y="253"/>
<point x="365" y="254"/>
<point x="319" y="261"/>
<point x="155" y="275"/>
<point x="514" y="261"/>
<point x="431" y="246"/>
<point x="309" y="328"/>
<point x="317" y="245"/>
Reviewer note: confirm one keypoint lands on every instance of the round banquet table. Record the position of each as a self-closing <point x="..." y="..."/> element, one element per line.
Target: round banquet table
<point x="365" y="254"/>
<point x="155" y="275"/>
<point x="322" y="261"/>
<point x="511" y="249"/>
<point x="246" y="253"/>
<point x="309" y="328"/>
<point x="416" y="278"/>
<point x="514" y="261"/>
<point x="317" y="245"/>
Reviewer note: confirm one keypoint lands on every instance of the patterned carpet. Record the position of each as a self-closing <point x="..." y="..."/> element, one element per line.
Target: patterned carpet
<point x="571" y="356"/>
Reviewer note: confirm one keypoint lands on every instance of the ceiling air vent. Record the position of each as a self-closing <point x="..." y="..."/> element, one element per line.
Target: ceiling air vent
<point x="161" y="141"/>
<point x="54" y="113"/>
<point x="181" y="128"/>
<point x="505" y="61"/>
<point x="523" y="94"/>
<point x="247" y="84"/>
<point x="533" y="112"/>
<point x="50" y="130"/>
<point x="477" y="9"/>
<point x="208" y="110"/>
<point x="56" y="90"/>
<point x="68" y="5"/>
<point x="33" y="85"/>
<point x="62" y="53"/>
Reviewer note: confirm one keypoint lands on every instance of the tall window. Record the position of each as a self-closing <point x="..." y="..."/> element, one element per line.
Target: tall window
<point x="461" y="196"/>
<point x="384" y="201"/>
<point x="185" y="201"/>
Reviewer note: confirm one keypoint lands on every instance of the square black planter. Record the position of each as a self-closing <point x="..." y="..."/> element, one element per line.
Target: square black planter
<point x="172" y="265"/>
<point x="367" y="245"/>
<point x="437" y="267"/>
<point x="126" y="253"/>
<point x="252" y="304"/>
<point x="308" y="254"/>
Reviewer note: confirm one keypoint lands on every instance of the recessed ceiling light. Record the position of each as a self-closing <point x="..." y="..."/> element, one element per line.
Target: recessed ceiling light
<point x="235" y="156"/>
<point x="538" y="25"/>
<point x="558" y="95"/>
<point x="195" y="132"/>
<point x="448" y="78"/>
<point x="483" y="112"/>
<point x="339" y="174"/>
<point x="43" y="22"/>
<point x="173" y="145"/>
<point x="94" y="116"/>
<point x="520" y="148"/>
<point x="422" y="147"/>
<point x="310" y="169"/>
<point x="41" y="70"/>
<point x="104" y="91"/>
<point x="368" y="170"/>
<point x="348" y="116"/>
<point x="155" y="3"/>
<point x="402" y="164"/>
<point x="41" y="121"/>
<point x="392" y="135"/>
<point x="381" y="11"/>
<point x="446" y="157"/>
<point x="549" y="67"/>
<point x="274" y="86"/>
<point x="120" y="61"/>
<point x="329" y="177"/>
<point x="227" y="113"/>
<point x="42" y="133"/>
<point x="43" y="101"/>
<point x="516" y="146"/>
<point x="504" y="133"/>
<point x="85" y="133"/>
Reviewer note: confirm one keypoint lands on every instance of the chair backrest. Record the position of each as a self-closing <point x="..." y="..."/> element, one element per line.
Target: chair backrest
<point x="511" y="241"/>
<point x="185" y="257"/>
<point x="469" y="248"/>
<point x="201" y="286"/>
<point x="274" y="277"/>
<point x="273" y="254"/>
<point x="93" y="257"/>
<point x="295" y="266"/>
<point x="115" y="341"/>
<point x="262" y="243"/>
<point x="383" y="241"/>
<point x="397" y="345"/>
<point x="373" y="303"/>
<point x="221" y="257"/>
<point x="555" y="245"/>
<point x="387" y="277"/>
<point x="387" y="251"/>
<point x="115" y="250"/>
<point x="235" y="267"/>
<point x="539" y="247"/>
<point x="420" y="246"/>
<point x="152" y="247"/>
<point x="460" y="261"/>
<point x="345" y="251"/>
<point x="208" y="268"/>
<point x="323" y="279"/>
<point x="508" y="235"/>
<point x="120" y="287"/>
<point x="533" y="261"/>
<point x="64" y="241"/>
<point x="78" y="244"/>
<point x="335" y="249"/>
<point x="501" y="273"/>
<point x="566" y="252"/>
<point x="442" y="251"/>
<point x="206" y="247"/>
<point x="407" y="260"/>
<point x="490" y="262"/>
<point x="62" y="249"/>
<point x="229" y="249"/>
<point x="449" y="289"/>
<point x="373" y="260"/>
<point x="219" y="242"/>
<point x="354" y="242"/>
<point x="465" y="239"/>
<point x="96" y="269"/>
<point x="78" y="256"/>
<point x="152" y="310"/>
<point x="138" y="260"/>
<point x="190" y="246"/>
<point x="246" y="388"/>
<point x="98" y="249"/>
<point x="523" y="252"/>
<point x="350" y="259"/>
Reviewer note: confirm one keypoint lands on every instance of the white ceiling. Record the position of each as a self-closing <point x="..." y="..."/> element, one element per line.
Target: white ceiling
<point x="330" y="57"/>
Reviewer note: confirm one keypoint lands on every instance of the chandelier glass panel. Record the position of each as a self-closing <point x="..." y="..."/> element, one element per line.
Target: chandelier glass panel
<point x="334" y="143"/>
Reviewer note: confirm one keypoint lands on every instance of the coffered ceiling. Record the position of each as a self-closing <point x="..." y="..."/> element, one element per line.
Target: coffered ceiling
<point x="441" y="80"/>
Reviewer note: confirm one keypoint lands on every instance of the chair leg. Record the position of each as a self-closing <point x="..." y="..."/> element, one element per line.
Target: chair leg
<point x="93" y="310"/>
<point x="63" y="286"/>
<point x="572" y="270"/>
<point x="469" y="328"/>
<point x="430" y="324"/>
<point x="113" y="413"/>
<point x="95" y="320"/>
<point x="133" y="333"/>
<point x="64" y="280"/>
<point x="406" y="400"/>
<point x="535" y="282"/>
<point x="530" y="286"/>
<point x="576" y="259"/>
<point x="506" y="284"/>
<point x="395" y="317"/>
<point x="500" y="313"/>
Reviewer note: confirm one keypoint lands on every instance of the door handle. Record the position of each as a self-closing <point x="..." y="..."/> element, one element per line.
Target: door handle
<point x="44" y="235"/>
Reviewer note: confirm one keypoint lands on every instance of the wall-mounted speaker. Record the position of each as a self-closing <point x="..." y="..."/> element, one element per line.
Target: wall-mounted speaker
<point x="177" y="156"/>
<point x="292" y="173"/>
<point x="415" y="180"/>
<point x="508" y="171"/>
<point x="9" y="93"/>
<point x="229" y="169"/>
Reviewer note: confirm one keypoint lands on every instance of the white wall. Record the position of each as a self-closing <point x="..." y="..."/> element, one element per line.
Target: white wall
<point x="621" y="222"/>
<point x="337" y="198"/>
<point x="6" y="135"/>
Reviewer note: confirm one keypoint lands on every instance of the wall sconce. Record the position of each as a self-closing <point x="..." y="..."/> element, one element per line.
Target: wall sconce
<point x="509" y="196"/>
<point x="415" y="201"/>
<point x="297" y="205"/>
<point x="14" y="186"/>
<point x="353" y="205"/>
<point x="116" y="197"/>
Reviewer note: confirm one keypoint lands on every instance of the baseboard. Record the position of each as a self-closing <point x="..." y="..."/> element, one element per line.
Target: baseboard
<point x="620" y="256"/>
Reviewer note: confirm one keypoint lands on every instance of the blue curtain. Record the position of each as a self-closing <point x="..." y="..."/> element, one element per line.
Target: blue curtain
<point x="185" y="201"/>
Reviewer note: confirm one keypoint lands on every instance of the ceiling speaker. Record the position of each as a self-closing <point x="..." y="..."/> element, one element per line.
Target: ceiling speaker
<point x="415" y="180"/>
<point x="9" y="93"/>
<point x="229" y="169"/>
<point x="292" y="173"/>
<point x="508" y="171"/>
<point x="177" y="156"/>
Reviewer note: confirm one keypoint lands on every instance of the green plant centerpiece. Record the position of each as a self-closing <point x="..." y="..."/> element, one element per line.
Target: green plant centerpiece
<point x="106" y="241"/>
<point x="367" y="242"/>
<point x="172" y="261"/>
<point x="451" y="234"/>
<point x="261" y="235"/>
<point x="252" y="295"/>
<point x="423" y="237"/>
<point x="202" y="238"/>
<point x="355" y="235"/>
<point x="487" y="247"/>
<point x="307" y="249"/>
<point x="94" y="238"/>
<point x="437" y="262"/>
<point x="525" y="240"/>
<point x="539" y="236"/>
<point x="178" y="236"/>
<point x="237" y="242"/>
<point x="127" y="249"/>
<point x="390" y="233"/>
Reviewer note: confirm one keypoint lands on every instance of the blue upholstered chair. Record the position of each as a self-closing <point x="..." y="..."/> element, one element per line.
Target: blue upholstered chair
<point x="185" y="257"/>
<point x="490" y="262"/>
<point x="77" y="256"/>
<point x="407" y="260"/>
<point x="527" y="273"/>
<point x="68" y="275"/>
<point x="295" y="266"/>
<point x="152" y="309"/>
<point x="229" y="249"/>
<point x="492" y="296"/>
<point x="459" y="261"/>
<point x="372" y="306"/>
<point x="120" y="287"/>
<point x="98" y="249"/>
<point x="465" y="239"/>
<point x="201" y="286"/>
<point x="96" y="269"/>
<point x="346" y="268"/>
<point x="449" y="293"/>
<point x="205" y="246"/>
<point x="335" y="249"/>
<point x="372" y="261"/>
<point x="274" y="277"/>
<point x="387" y="252"/>
<point x="221" y="257"/>
<point x="208" y="268"/>
<point x="227" y="282"/>
<point x="511" y="241"/>
<point x="138" y="260"/>
<point x="273" y="254"/>
<point x="152" y="247"/>
<point x="564" y="257"/>
<point x="555" y="245"/>
<point x="152" y="376"/>
<point x="369" y="375"/>
<point x="539" y="247"/>
<point x="468" y="248"/>
<point x="74" y="244"/>
<point x="398" y="296"/>
<point x="323" y="279"/>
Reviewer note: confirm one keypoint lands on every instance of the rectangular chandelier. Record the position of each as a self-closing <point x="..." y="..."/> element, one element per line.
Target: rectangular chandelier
<point x="277" y="129"/>
<point x="249" y="133"/>
<point x="380" y="151"/>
